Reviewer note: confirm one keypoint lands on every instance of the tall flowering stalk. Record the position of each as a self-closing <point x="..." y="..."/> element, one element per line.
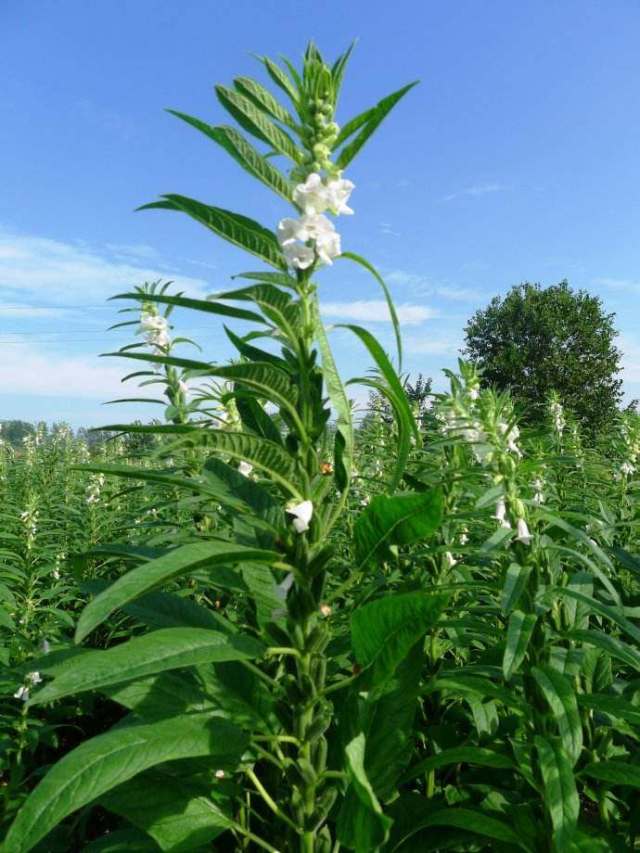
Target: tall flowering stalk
<point x="266" y="689"/>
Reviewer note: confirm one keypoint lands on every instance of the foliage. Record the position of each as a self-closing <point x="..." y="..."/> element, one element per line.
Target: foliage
<point x="277" y="632"/>
<point x="535" y="340"/>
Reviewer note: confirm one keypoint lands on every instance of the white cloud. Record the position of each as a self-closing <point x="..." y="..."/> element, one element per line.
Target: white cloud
<point x="376" y="311"/>
<point x="631" y="285"/>
<point x="432" y="346"/>
<point x="27" y="370"/>
<point x="475" y="191"/>
<point x="421" y="285"/>
<point x="23" y="311"/>
<point x="55" y="271"/>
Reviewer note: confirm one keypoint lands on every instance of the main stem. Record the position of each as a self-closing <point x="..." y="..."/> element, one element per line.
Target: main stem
<point x="311" y="712"/>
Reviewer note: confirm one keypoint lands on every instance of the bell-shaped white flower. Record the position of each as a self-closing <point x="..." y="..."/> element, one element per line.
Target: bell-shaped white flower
<point x="301" y="513"/>
<point x="289" y="230"/>
<point x="627" y="468"/>
<point x="22" y="693"/>
<point x="450" y="560"/>
<point x="523" y="534"/>
<point x="311" y="196"/>
<point x="501" y="513"/>
<point x="298" y="255"/>
<point x="245" y="468"/>
<point x="338" y="191"/>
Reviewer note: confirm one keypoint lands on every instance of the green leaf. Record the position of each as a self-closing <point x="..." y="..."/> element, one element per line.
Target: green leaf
<point x="614" y="706"/>
<point x="560" y="794"/>
<point x="233" y="227"/>
<point x="605" y="610"/>
<point x="175" y="812"/>
<point x="167" y="694"/>
<point x="142" y="579"/>
<point x="255" y="122"/>
<point x="515" y="583"/>
<point x="362" y="826"/>
<point x="264" y="100"/>
<point x="561" y="697"/>
<point x="469" y="820"/>
<point x="397" y="520"/>
<point x="519" y="631"/>
<point x="260" y="452"/>
<point x="367" y="122"/>
<point x="363" y="262"/>
<point x="396" y="395"/>
<point x="614" y="772"/>
<point x="383" y="631"/>
<point x="266" y="380"/>
<point x="459" y="755"/>
<point x="149" y="654"/>
<point x="343" y="443"/>
<point x="243" y="153"/>
<point x="280" y="78"/>
<point x="100" y="764"/>
<point x="611" y="645"/>
<point x="208" y="306"/>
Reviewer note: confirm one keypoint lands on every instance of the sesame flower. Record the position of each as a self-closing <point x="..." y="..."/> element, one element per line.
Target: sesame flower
<point x="301" y="513"/>
<point x="523" y="534"/>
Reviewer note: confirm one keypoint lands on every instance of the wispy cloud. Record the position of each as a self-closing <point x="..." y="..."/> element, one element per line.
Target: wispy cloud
<point x="476" y="190"/>
<point x="377" y="311"/>
<point x="432" y="346"/>
<point x="630" y="349"/>
<point x="421" y="285"/>
<point x="27" y="370"/>
<point x="42" y="270"/>
<point x="629" y="284"/>
<point x="30" y="312"/>
<point x="386" y="228"/>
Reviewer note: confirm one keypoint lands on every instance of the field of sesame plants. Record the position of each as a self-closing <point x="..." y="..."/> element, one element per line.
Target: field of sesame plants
<point x="266" y="623"/>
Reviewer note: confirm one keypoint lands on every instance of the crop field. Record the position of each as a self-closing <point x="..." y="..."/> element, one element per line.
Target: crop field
<point x="271" y="621"/>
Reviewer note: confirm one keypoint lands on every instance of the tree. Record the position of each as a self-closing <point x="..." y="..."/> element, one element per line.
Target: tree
<point x="14" y="431"/>
<point x="535" y="340"/>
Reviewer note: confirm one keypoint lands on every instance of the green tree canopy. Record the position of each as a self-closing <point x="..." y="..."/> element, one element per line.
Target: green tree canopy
<point x="536" y="340"/>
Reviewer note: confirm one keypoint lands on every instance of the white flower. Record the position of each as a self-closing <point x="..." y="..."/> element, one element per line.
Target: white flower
<point x="627" y="468"/>
<point x="302" y="513"/>
<point x="34" y="677"/>
<point x="464" y="537"/>
<point x="182" y="385"/>
<point x="290" y="230"/>
<point x="450" y="560"/>
<point x="312" y="195"/>
<point x="298" y="255"/>
<point x="523" y="532"/>
<point x="22" y="693"/>
<point x="46" y="648"/>
<point x="337" y="193"/>
<point x="245" y="468"/>
<point x="155" y="329"/>
<point x="473" y="394"/>
<point x="501" y="513"/>
<point x="219" y="774"/>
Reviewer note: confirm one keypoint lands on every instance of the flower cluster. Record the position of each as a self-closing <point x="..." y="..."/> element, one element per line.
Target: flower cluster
<point x="313" y="236"/>
<point x="154" y="328"/>
<point x="31" y="679"/>
<point x="556" y="411"/>
<point x="94" y="488"/>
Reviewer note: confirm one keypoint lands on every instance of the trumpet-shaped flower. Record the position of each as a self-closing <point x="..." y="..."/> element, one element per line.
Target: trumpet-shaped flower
<point x="298" y="256"/>
<point x="311" y="196"/>
<point x="338" y="192"/>
<point x="245" y="468"/>
<point x="523" y="534"/>
<point x="301" y="513"/>
<point x="501" y="513"/>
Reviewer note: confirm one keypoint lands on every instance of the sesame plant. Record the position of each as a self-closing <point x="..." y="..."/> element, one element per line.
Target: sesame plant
<point x="414" y="631"/>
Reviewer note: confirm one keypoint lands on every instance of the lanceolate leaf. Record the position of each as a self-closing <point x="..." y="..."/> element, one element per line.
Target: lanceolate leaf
<point x="144" y="578"/>
<point x="344" y="427"/>
<point x="254" y="120"/>
<point x="396" y="520"/>
<point x="237" y="229"/>
<point x="519" y="631"/>
<point x="383" y="631"/>
<point x="560" y="794"/>
<point x="367" y="123"/>
<point x="243" y="153"/>
<point x="177" y="813"/>
<point x="614" y="772"/>
<point x="264" y="100"/>
<point x="459" y="755"/>
<point x="149" y="654"/>
<point x="104" y="762"/>
<point x="209" y="306"/>
<point x="561" y="697"/>
<point x="363" y="262"/>
<point x="361" y="823"/>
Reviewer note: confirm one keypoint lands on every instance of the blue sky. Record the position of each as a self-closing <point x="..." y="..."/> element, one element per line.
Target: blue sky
<point x="515" y="159"/>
